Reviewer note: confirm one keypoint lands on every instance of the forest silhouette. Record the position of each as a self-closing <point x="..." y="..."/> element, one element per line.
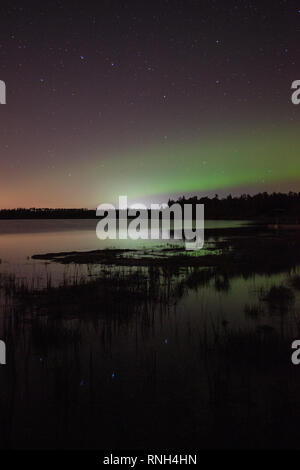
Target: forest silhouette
<point x="277" y="207"/>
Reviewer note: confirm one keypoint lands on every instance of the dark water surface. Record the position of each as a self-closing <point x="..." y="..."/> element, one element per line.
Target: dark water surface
<point x="204" y="363"/>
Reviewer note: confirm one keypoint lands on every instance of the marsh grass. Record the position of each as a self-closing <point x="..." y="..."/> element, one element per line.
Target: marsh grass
<point x="103" y="360"/>
<point x="294" y="282"/>
<point x="278" y="296"/>
<point x="253" y="311"/>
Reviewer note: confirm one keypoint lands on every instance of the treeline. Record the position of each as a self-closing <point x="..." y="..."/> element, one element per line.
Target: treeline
<point x="47" y="213"/>
<point x="275" y="206"/>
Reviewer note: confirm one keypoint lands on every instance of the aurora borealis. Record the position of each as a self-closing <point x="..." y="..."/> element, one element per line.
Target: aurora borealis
<point x="147" y="99"/>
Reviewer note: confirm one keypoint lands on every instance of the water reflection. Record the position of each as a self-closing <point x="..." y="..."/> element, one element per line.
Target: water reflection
<point x="134" y="356"/>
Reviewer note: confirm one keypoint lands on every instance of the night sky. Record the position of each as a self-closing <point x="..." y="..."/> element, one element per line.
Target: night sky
<point x="149" y="99"/>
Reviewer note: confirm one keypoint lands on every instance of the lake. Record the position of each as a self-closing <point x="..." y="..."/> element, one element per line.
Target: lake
<point x="20" y="239"/>
<point x="110" y="366"/>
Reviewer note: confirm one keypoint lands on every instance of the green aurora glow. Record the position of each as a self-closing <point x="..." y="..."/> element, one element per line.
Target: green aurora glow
<point x="228" y="162"/>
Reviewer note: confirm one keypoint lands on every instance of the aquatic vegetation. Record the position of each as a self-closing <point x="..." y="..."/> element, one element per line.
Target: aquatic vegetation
<point x="294" y="282"/>
<point x="132" y="340"/>
<point x="279" y="296"/>
<point x="253" y="311"/>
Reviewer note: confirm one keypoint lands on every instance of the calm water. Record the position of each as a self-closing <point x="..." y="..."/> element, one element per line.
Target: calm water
<point x="136" y="382"/>
<point x="20" y="239"/>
